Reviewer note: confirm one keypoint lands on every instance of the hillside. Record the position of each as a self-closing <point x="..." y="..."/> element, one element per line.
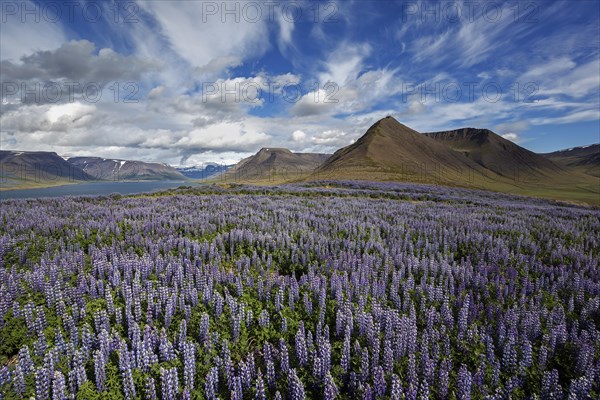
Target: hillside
<point x="24" y="169"/>
<point x="471" y="158"/>
<point x="584" y="158"/>
<point x="115" y="170"/>
<point x="274" y="165"/>
<point x="497" y="154"/>
<point x="390" y="150"/>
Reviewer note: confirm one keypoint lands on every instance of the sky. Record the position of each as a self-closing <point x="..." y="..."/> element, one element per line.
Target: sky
<point x="190" y="82"/>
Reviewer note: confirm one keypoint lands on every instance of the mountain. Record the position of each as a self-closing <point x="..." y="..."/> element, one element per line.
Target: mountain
<point x="275" y="165"/>
<point x="115" y="170"/>
<point x="472" y="158"/>
<point x="497" y="154"/>
<point x="36" y="169"/>
<point x="390" y="150"/>
<point x="204" y="171"/>
<point x="583" y="158"/>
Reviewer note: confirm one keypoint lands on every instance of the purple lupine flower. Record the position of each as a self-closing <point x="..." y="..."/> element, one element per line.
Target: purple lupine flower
<point x="236" y="389"/>
<point x="259" y="388"/>
<point x="236" y="321"/>
<point x="25" y="360"/>
<point x="396" y="390"/>
<point x="245" y="375"/>
<point x="301" y="350"/>
<point x="204" y="333"/>
<point x="388" y="356"/>
<point x="367" y="392"/>
<point x="211" y="383"/>
<point x="270" y="373"/>
<point x="330" y="390"/>
<point x="79" y="368"/>
<point x="379" y="384"/>
<point x="165" y="348"/>
<point x="345" y="359"/>
<point x="295" y="386"/>
<point x="580" y="388"/>
<point x="189" y="364"/>
<point x="307" y="303"/>
<point x="424" y="390"/>
<point x="126" y="372"/>
<point x="364" y="365"/>
<point x="551" y="388"/>
<point x="169" y="383"/>
<point x="87" y="340"/>
<point x="42" y="383"/>
<point x="463" y="383"/>
<point x="150" y="388"/>
<point x="279" y="299"/>
<point x="40" y="345"/>
<point x="182" y="336"/>
<point x="58" y="386"/>
<point x="284" y="361"/>
<point x="443" y="378"/>
<point x="263" y="319"/>
<point x="19" y="380"/>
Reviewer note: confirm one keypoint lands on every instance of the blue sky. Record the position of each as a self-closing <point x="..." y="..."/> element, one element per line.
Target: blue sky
<point x="195" y="81"/>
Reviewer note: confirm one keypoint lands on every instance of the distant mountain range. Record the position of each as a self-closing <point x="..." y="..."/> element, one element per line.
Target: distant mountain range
<point x="468" y="157"/>
<point x="584" y="158"/>
<point x="24" y="169"/>
<point x="205" y="171"/>
<point x="116" y="170"/>
<point x="388" y="151"/>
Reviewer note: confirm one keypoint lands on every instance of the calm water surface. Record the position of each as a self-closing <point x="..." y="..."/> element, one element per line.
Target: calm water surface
<point x="93" y="189"/>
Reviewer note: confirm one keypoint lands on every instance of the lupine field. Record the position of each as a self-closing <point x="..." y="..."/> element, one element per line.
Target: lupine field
<point x="324" y="291"/>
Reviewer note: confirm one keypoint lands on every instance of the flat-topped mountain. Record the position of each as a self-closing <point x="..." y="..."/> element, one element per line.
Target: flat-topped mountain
<point x="497" y="154"/>
<point x="114" y="170"/>
<point x="275" y="164"/>
<point x="37" y="168"/>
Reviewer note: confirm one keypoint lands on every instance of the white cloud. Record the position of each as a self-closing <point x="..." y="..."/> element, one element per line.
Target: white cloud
<point x="345" y="63"/>
<point x="19" y="38"/>
<point x="298" y="136"/>
<point x="286" y="29"/>
<point x="513" y="137"/>
<point x="203" y="39"/>
<point x="156" y="92"/>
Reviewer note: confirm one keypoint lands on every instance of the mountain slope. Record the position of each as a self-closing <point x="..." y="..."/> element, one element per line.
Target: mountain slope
<point x="36" y="169"/>
<point x="584" y="158"/>
<point x="392" y="151"/>
<point x="114" y="170"/>
<point x="472" y="158"/>
<point x="497" y="154"/>
<point x="275" y="165"/>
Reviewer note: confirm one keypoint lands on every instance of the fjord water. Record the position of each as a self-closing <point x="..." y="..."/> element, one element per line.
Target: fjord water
<point x="91" y="189"/>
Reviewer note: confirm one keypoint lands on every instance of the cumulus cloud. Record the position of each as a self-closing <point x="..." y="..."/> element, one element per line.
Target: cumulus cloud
<point x="75" y="60"/>
<point x="298" y="136"/>
<point x="50" y="118"/>
<point x="513" y="137"/>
